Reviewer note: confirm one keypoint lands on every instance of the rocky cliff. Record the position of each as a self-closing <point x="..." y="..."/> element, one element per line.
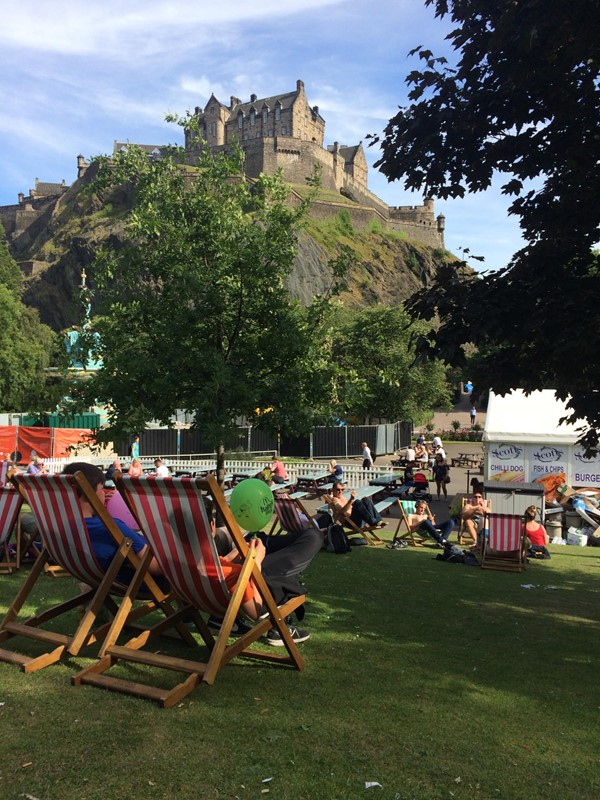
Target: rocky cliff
<point x="65" y="236"/>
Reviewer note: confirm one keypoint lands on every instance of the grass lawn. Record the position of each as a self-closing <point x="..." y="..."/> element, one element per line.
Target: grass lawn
<point x="435" y="680"/>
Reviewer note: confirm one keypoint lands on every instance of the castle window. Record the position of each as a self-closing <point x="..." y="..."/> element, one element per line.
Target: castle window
<point x="212" y="128"/>
<point x="252" y="116"/>
<point x="265" y="116"/>
<point x="240" y="121"/>
<point x="277" y="112"/>
<point x="284" y="130"/>
<point x="270" y="133"/>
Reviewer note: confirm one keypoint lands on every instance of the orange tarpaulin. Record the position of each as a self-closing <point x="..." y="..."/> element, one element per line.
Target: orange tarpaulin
<point x="8" y="439"/>
<point x="34" y="441"/>
<point x="64" y="438"/>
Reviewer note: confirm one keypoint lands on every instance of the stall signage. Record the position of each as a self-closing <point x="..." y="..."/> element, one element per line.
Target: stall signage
<point x="547" y="461"/>
<point x="507" y="463"/>
<point x="586" y="471"/>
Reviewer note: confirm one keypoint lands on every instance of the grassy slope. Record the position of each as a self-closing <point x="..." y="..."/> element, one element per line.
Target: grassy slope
<point x="436" y="680"/>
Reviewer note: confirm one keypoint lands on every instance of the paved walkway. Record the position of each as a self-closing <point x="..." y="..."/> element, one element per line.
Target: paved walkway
<point x="442" y="420"/>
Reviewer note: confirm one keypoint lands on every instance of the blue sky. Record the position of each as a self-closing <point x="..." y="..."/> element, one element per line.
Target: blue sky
<point x="76" y="75"/>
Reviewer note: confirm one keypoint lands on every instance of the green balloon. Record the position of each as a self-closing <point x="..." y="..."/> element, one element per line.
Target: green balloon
<point x="252" y="504"/>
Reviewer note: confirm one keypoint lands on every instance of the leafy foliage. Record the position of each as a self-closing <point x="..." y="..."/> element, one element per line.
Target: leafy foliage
<point x="27" y="346"/>
<point x="372" y="366"/>
<point x="196" y="314"/>
<point x="522" y="100"/>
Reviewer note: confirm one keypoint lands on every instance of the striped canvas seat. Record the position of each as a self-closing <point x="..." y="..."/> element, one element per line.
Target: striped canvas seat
<point x="504" y="543"/>
<point x="412" y="537"/>
<point x="172" y="515"/>
<point x="291" y="516"/>
<point x="55" y="502"/>
<point x="10" y="506"/>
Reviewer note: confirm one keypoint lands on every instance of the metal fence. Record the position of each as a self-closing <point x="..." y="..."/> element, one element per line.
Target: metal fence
<point x="324" y="442"/>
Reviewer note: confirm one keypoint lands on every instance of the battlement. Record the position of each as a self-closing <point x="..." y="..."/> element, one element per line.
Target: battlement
<point x="278" y="132"/>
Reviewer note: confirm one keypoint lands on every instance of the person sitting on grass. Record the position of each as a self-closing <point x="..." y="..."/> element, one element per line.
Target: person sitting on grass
<point x="362" y="512"/>
<point x="423" y="521"/>
<point x="537" y="538"/>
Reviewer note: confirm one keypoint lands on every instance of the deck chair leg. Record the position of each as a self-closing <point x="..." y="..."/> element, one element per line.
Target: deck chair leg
<point x="216" y="656"/>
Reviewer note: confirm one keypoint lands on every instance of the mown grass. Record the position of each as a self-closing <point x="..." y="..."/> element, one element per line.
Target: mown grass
<point x="435" y="680"/>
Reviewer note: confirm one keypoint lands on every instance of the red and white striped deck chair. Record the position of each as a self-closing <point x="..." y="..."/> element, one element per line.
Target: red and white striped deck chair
<point x="172" y="515"/>
<point x="10" y="506"/>
<point x="54" y="500"/>
<point x="504" y="543"/>
<point x="291" y="516"/>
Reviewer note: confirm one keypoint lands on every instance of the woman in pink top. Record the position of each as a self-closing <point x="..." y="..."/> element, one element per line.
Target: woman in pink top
<point x="536" y="533"/>
<point x="279" y="474"/>
<point x="135" y="470"/>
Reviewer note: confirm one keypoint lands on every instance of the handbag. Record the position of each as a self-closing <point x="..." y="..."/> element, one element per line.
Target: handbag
<point x="446" y="479"/>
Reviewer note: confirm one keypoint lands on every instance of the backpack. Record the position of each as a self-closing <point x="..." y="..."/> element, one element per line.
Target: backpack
<point x="452" y="555"/>
<point x="538" y="551"/>
<point x="337" y="541"/>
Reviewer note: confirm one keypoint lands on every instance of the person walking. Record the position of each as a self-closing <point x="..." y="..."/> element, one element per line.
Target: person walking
<point x="473" y="414"/>
<point x="367" y="457"/>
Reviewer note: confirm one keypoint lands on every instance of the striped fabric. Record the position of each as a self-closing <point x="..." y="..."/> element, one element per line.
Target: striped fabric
<point x="10" y="505"/>
<point x="408" y="506"/>
<point x="173" y="518"/>
<point x="54" y="501"/>
<point x="288" y="514"/>
<point x="504" y="532"/>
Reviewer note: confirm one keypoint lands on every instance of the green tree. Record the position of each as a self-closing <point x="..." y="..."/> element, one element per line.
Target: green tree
<point x="521" y="100"/>
<point x="375" y="375"/>
<point x="27" y="347"/>
<point x="196" y="315"/>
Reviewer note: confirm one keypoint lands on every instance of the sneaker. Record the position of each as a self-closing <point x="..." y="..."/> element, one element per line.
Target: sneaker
<point x="273" y="637"/>
<point x="239" y="627"/>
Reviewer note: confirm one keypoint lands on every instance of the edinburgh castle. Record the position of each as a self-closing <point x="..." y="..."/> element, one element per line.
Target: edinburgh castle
<point x="282" y="131"/>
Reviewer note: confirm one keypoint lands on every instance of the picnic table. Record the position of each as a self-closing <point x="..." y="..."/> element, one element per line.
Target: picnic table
<point x="466" y="460"/>
<point x="315" y="482"/>
<point x="387" y="481"/>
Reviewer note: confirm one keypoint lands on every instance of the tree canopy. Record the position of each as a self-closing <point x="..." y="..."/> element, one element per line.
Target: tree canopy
<point x="27" y="347"/>
<point x="373" y="372"/>
<point x="522" y="100"/>
<point x="196" y="315"/>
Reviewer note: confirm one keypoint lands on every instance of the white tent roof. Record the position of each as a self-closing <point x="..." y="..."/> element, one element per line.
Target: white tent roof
<point x="517" y="417"/>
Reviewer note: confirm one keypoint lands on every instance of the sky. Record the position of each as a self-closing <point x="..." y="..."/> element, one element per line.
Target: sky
<point x="75" y="75"/>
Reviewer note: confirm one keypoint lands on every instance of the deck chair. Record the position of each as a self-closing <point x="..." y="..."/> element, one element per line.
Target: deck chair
<point x="10" y="506"/>
<point x="504" y="543"/>
<point x="368" y="533"/>
<point x="172" y="514"/>
<point x="462" y="528"/>
<point x="290" y="516"/>
<point x="54" y="499"/>
<point x="412" y="537"/>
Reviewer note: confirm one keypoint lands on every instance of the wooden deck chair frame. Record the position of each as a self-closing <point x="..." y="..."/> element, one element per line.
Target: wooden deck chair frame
<point x="54" y="500"/>
<point x="462" y="531"/>
<point x="287" y="516"/>
<point x="504" y="543"/>
<point x="10" y="507"/>
<point x="172" y="515"/>
<point x="368" y="533"/>
<point x="412" y="537"/>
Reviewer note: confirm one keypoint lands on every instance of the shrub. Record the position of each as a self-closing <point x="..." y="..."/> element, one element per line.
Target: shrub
<point x="455" y="424"/>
